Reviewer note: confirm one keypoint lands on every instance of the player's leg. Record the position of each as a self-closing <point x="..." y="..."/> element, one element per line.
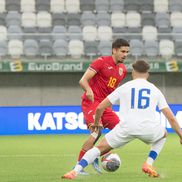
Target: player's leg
<point x="109" y="119"/>
<point x="156" y="148"/>
<point x="88" y="109"/>
<point x="115" y="138"/>
<point x="88" y="158"/>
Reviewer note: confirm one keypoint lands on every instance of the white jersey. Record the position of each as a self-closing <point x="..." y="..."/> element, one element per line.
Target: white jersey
<point x="138" y="100"/>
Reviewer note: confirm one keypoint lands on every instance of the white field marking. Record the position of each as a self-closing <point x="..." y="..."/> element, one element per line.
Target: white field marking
<point x="34" y="155"/>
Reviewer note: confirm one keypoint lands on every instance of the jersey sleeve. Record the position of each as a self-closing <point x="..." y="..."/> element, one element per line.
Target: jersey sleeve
<point x="114" y="96"/>
<point x="162" y="101"/>
<point x="97" y="64"/>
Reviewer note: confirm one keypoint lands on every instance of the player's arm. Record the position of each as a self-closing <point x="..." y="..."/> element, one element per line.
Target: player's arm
<point x="173" y="122"/>
<point x="99" y="111"/>
<point x="84" y="83"/>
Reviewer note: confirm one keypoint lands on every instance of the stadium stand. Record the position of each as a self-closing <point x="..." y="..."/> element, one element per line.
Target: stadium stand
<point x="136" y="47"/>
<point x="98" y="21"/>
<point x="2" y="6"/>
<point x="89" y="33"/>
<point x="166" y="48"/>
<point x="87" y="5"/>
<point x="31" y="47"/>
<point x="27" y="6"/>
<point x="76" y="48"/>
<point x="3" y="48"/>
<point x="15" y="48"/>
<point x="91" y="48"/>
<point x="60" y="48"/>
<point x="57" y="6"/>
<point x="104" y="48"/>
<point x="116" y="6"/>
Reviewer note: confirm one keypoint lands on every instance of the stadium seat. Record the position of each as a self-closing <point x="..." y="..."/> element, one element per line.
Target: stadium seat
<point x="74" y="32"/>
<point x="57" y="6"/>
<point x="175" y="5"/>
<point x="105" y="48"/>
<point x="119" y="32"/>
<point x="177" y="33"/>
<point x="44" y="19"/>
<point x="118" y="19"/>
<point x="76" y="48"/>
<point x="88" y="18"/>
<point x="72" y="6"/>
<point x="44" y="23"/>
<point x="43" y="5"/>
<point x="45" y="47"/>
<point x="116" y="6"/>
<point x="13" y="18"/>
<point x="31" y="47"/>
<point x="176" y="19"/>
<point x="133" y="19"/>
<point x="87" y="5"/>
<point x="146" y="5"/>
<point x="29" y="25"/>
<point x="59" y="32"/>
<point x="149" y="33"/>
<point x="89" y="33"/>
<point x="161" y="6"/>
<point x="136" y="47"/>
<point x="162" y="20"/>
<point x="14" y="32"/>
<point x="60" y="48"/>
<point x="2" y="19"/>
<point x="73" y="19"/>
<point x="13" y="5"/>
<point x="133" y="22"/>
<point x="166" y="48"/>
<point x="3" y="33"/>
<point x="29" y="19"/>
<point x="59" y="19"/>
<point x="27" y="6"/>
<point x="91" y="48"/>
<point x="104" y="33"/>
<point x="2" y="6"/>
<point x="103" y="19"/>
<point x="151" y="48"/>
<point x="3" y="48"/>
<point x="148" y="18"/>
<point x="102" y="5"/>
<point x="130" y="5"/>
<point x="178" y="47"/>
<point x="15" y="48"/>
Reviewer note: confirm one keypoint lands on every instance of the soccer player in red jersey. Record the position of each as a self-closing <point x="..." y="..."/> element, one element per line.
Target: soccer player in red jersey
<point x="100" y="79"/>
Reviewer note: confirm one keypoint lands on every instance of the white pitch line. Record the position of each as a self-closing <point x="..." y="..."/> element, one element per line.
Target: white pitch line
<point x="35" y="155"/>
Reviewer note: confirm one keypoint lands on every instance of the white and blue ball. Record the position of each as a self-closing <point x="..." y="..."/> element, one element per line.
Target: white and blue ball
<point x="111" y="162"/>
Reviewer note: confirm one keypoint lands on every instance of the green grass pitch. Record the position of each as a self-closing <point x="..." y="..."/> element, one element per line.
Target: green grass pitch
<point x="46" y="158"/>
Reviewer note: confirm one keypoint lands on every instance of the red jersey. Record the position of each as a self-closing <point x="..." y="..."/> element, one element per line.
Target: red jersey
<point x="109" y="75"/>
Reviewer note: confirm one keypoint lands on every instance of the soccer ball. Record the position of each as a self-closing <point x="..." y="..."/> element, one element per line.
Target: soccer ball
<point x="110" y="162"/>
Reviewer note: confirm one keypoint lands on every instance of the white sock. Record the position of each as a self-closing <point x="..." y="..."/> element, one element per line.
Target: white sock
<point x="87" y="159"/>
<point x="155" y="150"/>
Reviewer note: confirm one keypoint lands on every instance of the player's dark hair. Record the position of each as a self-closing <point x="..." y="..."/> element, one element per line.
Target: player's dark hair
<point x="120" y="43"/>
<point x="141" y="66"/>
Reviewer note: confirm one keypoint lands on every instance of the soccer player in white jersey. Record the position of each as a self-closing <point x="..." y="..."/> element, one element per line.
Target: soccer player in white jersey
<point x="138" y="100"/>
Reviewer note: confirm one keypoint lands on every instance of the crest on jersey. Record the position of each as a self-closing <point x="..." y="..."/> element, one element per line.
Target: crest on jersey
<point x="120" y="71"/>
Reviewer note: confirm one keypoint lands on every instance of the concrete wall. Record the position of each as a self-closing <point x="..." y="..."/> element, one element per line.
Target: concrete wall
<point x="35" y="89"/>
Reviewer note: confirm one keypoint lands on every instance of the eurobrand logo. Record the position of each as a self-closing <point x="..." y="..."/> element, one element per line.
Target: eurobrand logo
<point x="16" y="66"/>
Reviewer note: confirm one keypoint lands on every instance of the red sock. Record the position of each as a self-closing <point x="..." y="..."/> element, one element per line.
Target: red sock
<point x="81" y="154"/>
<point x="104" y="153"/>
